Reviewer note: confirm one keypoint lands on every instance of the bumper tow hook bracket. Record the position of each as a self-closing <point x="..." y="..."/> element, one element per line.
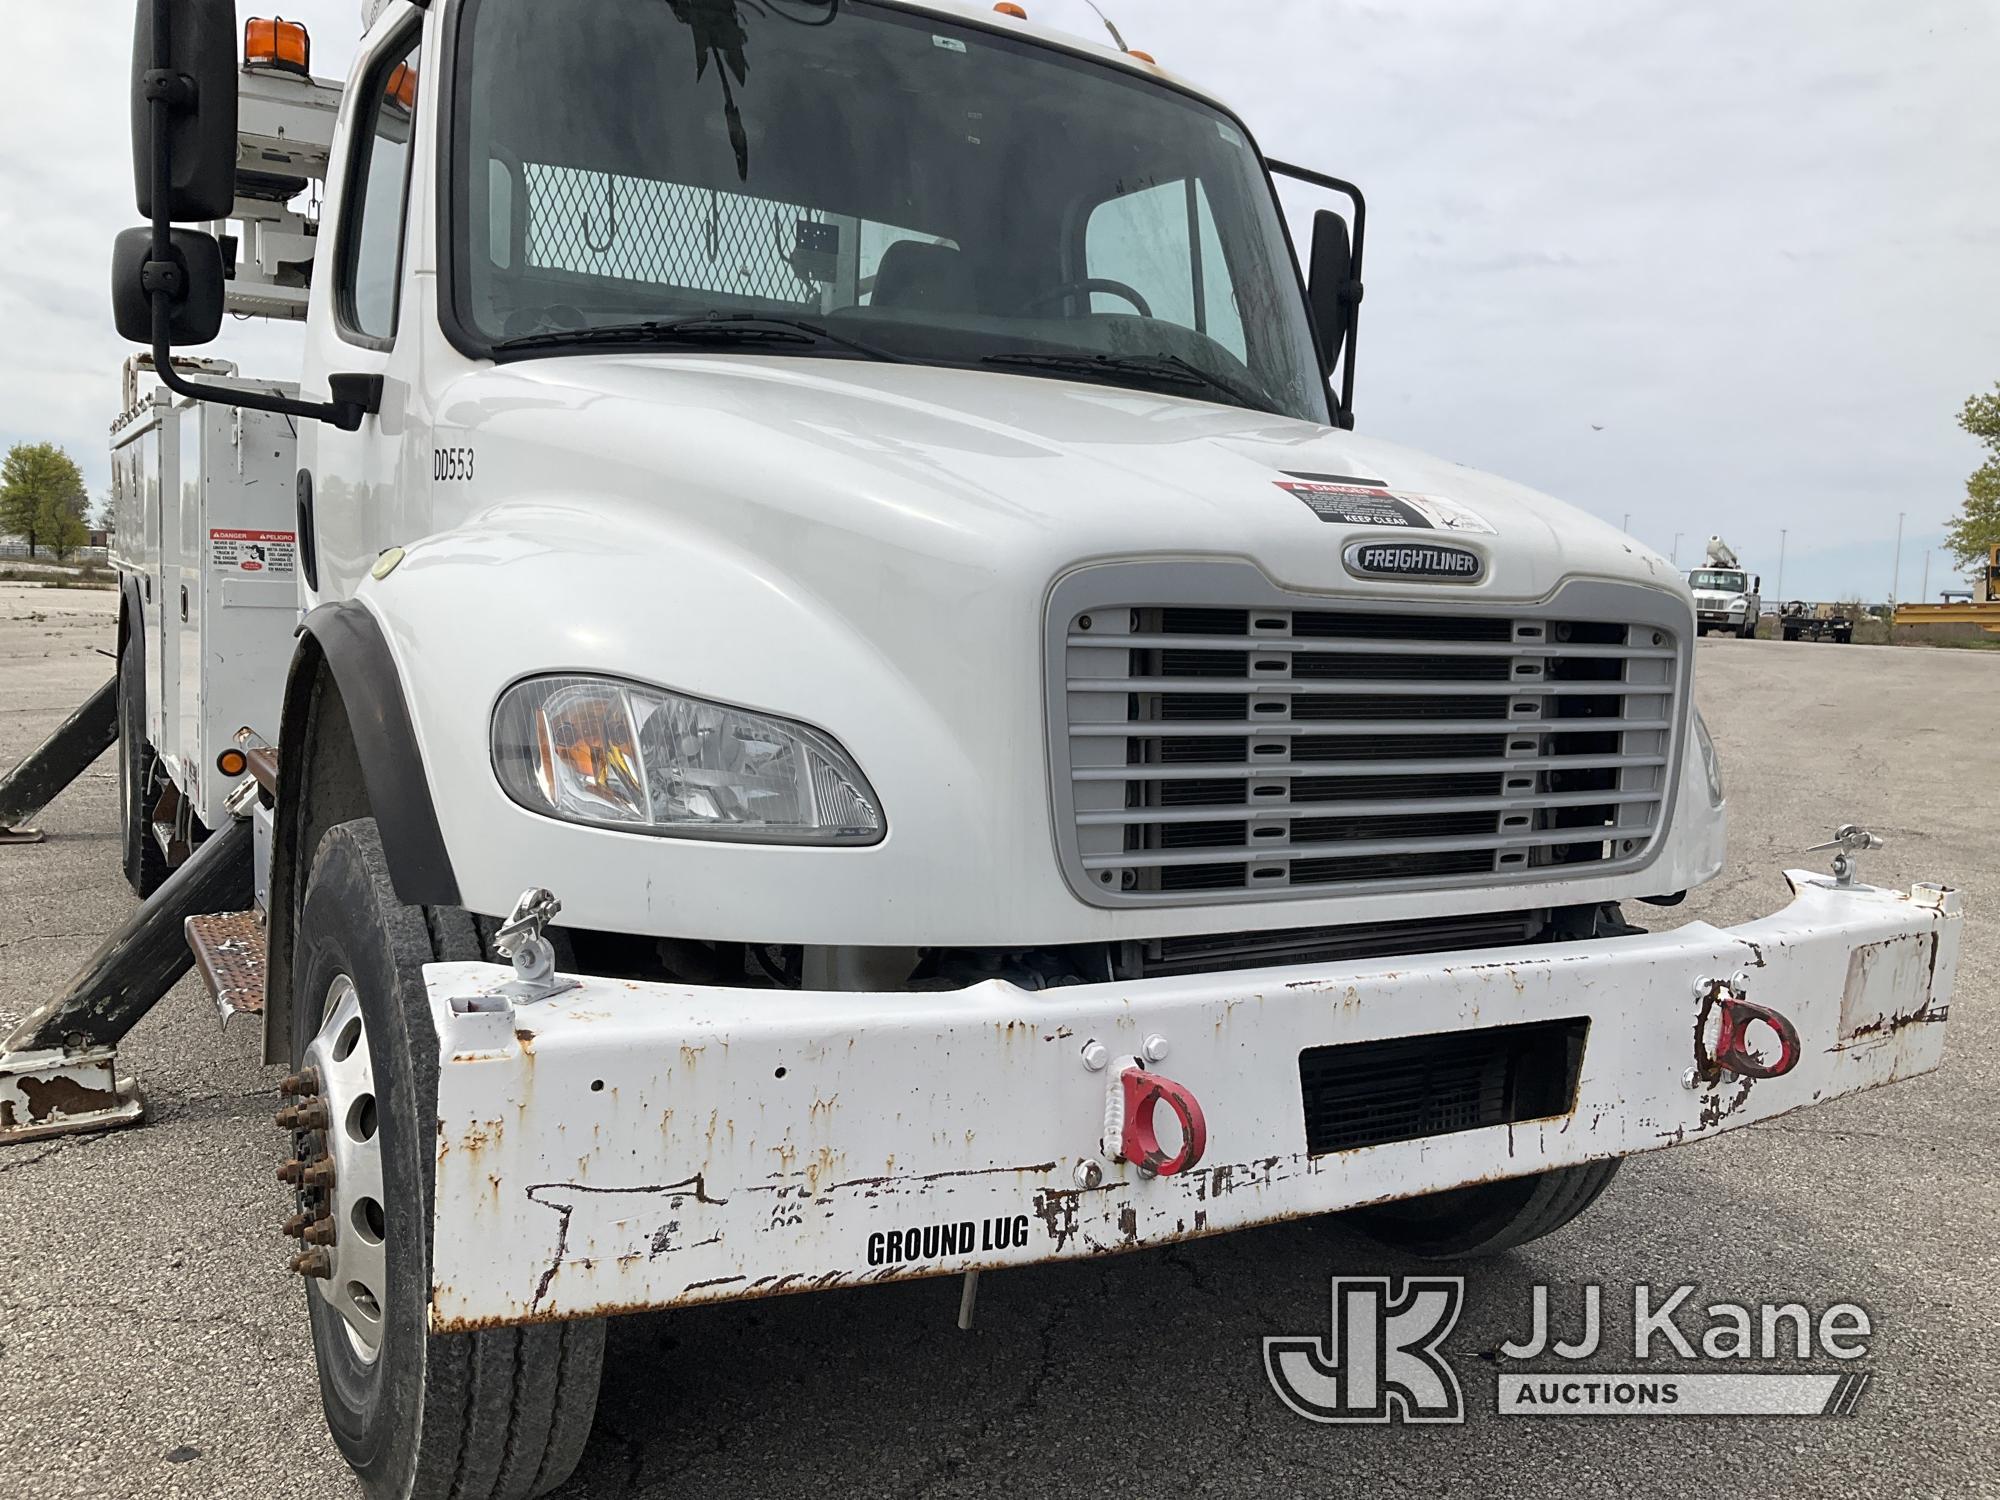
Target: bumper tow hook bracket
<point x="1735" y="1014"/>
<point x="1131" y="1100"/>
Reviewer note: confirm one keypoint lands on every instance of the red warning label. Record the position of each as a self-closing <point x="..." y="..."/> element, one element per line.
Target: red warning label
<point x="274" y="552"/>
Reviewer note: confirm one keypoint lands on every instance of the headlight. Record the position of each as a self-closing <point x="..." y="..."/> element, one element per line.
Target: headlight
<point x="619" y="755"/>
<point x="1710" y="761"/>
<point x="1739" y="602"/>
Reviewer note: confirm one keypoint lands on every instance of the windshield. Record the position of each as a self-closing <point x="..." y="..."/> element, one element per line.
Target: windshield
<point x="894" y="185"/>
<point x="1720" y="583"/>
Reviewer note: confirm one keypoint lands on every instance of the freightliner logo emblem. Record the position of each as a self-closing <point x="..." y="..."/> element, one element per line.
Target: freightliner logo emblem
<point x="1428" y="560"/>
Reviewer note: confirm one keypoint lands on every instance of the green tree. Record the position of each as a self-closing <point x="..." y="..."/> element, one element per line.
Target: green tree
<point x="42" y="498"/>
<point x="1974" y="532"/>
<point x="63" y="529"/>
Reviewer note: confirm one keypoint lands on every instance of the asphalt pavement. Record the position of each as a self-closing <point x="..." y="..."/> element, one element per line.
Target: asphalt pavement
<point x="151" y="1343"/>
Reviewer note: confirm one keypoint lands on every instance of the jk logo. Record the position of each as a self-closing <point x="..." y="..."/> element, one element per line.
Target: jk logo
<point x="1380" y="1362"/>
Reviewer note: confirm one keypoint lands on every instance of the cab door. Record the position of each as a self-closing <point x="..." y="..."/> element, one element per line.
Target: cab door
<point x="352" y="506"/>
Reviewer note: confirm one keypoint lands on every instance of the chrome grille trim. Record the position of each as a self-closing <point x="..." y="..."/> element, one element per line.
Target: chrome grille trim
<point x="1214" y="739"/>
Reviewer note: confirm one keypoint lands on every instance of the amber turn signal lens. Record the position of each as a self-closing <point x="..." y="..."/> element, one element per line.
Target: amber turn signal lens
<point x="1012" y="10"/>
<point x="232" y="763"/>
<point x="277" y="43"/>
<point x="1144" y="57"/>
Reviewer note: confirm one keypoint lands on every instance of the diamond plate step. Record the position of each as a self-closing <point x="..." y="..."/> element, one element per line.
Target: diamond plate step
<point x="229" y="955"/>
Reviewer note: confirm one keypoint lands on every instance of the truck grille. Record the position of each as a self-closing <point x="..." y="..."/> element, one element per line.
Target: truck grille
<point x="1231" y="754"/>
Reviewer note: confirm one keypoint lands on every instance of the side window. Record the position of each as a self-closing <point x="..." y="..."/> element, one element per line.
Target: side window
<point x="372" y="262"/>
<point x="1162" y="242"/>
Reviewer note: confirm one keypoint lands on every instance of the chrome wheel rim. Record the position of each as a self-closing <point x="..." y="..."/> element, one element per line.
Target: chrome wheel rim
<point x="357" y="1286"/>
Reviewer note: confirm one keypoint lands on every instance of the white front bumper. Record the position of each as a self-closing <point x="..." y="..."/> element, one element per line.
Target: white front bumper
<point x="626" y="1145"/>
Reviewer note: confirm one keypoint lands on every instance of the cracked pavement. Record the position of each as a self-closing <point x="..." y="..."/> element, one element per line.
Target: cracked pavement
<point x="152" y="1346"/>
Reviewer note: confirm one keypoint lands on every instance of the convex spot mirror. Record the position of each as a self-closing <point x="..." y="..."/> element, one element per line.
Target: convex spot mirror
<point x="191" y="276"/>
<point x="199" y="87"/>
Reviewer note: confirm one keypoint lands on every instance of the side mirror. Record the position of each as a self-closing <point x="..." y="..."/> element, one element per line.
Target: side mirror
<point x="1330" y="286"/>
<point x="189" y="66"/>
<point x="191" y="276"/>
<point x="1333" y="283"/>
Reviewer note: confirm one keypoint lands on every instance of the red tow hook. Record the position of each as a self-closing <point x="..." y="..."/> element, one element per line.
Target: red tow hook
<point x="1142" y="1094"/>
<point x="1732" y="1052"/>
<point x="1735" y="1014"/>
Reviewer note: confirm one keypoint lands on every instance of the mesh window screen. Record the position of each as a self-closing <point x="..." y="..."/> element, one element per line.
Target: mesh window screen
<point x="666" y="233"/>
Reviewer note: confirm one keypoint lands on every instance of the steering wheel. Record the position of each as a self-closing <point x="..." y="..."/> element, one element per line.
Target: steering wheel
<point x="1089" y="284"/>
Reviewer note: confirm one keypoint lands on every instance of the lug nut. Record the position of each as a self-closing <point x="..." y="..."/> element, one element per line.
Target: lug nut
<point x="295" y="1226"/>
<point x="309" y="1115"/>
<point x="319" y="1174"/>
<point x="300" y="1085"/>
<point x="320" y="1232"/>
<point x="314" y="1263"/>
<point x="293" y="1172"/>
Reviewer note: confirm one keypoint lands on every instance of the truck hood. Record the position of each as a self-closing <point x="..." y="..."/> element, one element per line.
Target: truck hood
<point x="977" y="464"/>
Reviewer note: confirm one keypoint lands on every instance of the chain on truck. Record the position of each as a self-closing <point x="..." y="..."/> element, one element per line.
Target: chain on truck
<point x="810" y="685"/>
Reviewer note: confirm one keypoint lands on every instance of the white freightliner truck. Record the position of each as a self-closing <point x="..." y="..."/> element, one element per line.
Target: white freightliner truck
<point x="1727" y="596"/>
<point x="852" y="507"/>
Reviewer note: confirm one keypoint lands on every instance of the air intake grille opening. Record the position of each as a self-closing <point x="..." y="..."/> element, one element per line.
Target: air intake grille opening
<point x="1412" y="1088"/>
<point x="1222" y="754"/>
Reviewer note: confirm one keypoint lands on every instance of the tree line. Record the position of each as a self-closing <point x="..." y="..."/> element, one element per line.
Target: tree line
<point x="43" y="500"/>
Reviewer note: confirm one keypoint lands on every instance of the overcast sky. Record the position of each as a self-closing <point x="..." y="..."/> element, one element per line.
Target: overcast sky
<point x="1757" y="243"/>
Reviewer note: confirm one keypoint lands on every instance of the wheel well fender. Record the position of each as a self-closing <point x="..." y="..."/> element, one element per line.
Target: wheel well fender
<point x="347" y="749"/>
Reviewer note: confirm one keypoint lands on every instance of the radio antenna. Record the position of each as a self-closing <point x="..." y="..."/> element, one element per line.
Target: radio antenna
<point x="1108" y="26"/>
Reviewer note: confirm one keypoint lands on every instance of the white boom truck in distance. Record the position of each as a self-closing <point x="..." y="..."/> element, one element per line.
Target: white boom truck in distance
<point x="1726" y="596"/>
<point x="849" y="506"/>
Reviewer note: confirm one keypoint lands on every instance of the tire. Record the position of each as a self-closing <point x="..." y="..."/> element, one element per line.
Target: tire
<point x="144" y="860"/>
<point x="501" y="1414"/>
<point x="1749" y="632"/>
<point x="1467" y="1223"/>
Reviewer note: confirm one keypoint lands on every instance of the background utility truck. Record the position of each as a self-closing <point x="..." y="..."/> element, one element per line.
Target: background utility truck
<point x="850" y="509"/>
<point x="1726" y="596"/>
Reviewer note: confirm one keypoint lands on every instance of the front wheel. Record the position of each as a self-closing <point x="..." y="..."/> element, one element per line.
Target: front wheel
<point x="1470" y="1222"/>
<point x="496" y="1415"/>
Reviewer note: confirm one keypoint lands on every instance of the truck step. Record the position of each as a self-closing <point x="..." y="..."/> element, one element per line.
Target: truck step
<point x="229" y="955"/>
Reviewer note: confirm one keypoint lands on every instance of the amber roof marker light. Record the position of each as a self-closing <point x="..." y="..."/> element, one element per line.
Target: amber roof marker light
<point x="275" y="43"/>
<point x="1017" y="12"/>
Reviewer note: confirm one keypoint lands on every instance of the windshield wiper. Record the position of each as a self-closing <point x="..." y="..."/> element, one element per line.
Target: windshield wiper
<point x="706" y="329"/>
<point x="1164" y="367"/>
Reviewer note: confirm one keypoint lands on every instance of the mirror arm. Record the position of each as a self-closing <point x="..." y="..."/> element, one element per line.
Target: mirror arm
<point x="1351" y="293"/>
<point x="165" y="279"/>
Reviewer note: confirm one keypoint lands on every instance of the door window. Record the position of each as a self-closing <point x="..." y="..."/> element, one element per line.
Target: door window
<point x="378" y="190"/>
<point x="1162" y="242"/>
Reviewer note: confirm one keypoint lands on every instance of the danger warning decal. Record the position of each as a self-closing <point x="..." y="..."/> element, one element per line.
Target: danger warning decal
<point x="273" y="552"/>
<point x="1355" y="503"/>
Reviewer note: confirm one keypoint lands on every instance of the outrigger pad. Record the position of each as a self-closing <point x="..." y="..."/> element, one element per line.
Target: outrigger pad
<point x="64" y="1093"/>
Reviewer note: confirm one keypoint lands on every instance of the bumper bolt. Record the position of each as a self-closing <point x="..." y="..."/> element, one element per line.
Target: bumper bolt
<point x="1089" y="1174"/>
<point x="1096" y="1056"/>
<point x="300" y="1085"/>
<point x="315" y="1263"/>
<point x="1156" y="1048"/>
